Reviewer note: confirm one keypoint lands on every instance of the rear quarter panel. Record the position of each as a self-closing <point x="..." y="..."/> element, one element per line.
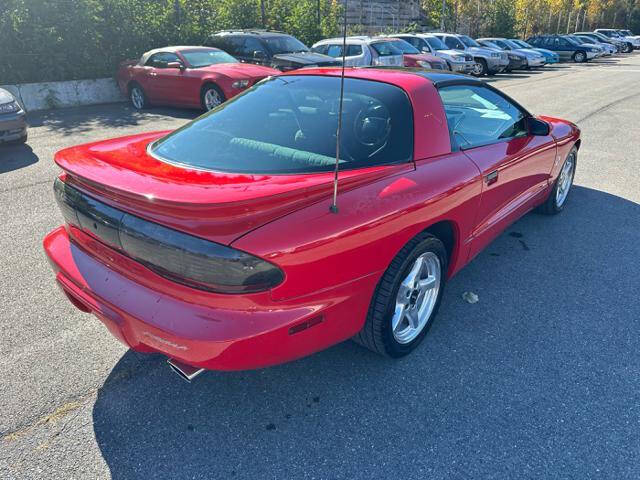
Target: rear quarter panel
<point x="318" y="249"/>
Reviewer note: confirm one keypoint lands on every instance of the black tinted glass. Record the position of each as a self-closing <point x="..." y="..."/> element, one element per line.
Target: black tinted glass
<point x="288" y="125"/>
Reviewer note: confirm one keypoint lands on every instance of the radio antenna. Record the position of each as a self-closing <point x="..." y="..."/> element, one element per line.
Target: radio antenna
<point x="334" y="205"/>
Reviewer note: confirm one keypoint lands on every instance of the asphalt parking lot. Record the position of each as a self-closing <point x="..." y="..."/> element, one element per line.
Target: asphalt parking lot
<point x="539" y="379"/>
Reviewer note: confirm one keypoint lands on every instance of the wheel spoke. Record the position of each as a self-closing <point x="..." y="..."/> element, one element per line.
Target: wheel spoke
<point x="404" y="292"/>
<point x="412" y="317"/>
<point x="427" y="283"/>
<point x="398" y="315"/>
<point x="414" y="274"/>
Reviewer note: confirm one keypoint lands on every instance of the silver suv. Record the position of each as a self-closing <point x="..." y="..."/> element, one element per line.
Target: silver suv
<point x="427" y="43"/>
<point x="362" y="51"/>
<point x="488" y="61"/>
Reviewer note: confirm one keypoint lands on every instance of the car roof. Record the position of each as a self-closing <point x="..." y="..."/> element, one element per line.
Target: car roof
<point x="255" y="32"/>
<point x="356" y="39"/>
<point x="174" y="49"/>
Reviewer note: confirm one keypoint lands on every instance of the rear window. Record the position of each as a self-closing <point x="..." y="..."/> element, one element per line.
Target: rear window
<point x="288" y="125"/>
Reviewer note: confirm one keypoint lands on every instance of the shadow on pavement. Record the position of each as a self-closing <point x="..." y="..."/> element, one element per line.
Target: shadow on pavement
<point x="14" y="157"/>
<point x="539" y="376"/>
<point x="70" y="121"/>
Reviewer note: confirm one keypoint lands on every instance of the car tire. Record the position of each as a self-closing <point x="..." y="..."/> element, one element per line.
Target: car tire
<point x="137" y="97"/>
<point x="579" y="57"/>
<point x="557" y="198"/>
<point x="395" y="287"/>
<point x="627" y="48"/>
<point x="211" y="96"/>
<point x="483" y="69"/>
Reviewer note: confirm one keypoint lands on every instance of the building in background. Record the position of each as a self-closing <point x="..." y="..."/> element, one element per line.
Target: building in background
<point x="375" y="16"/>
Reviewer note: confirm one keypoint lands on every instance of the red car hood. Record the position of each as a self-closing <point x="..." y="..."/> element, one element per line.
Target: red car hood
<point x="425" y="57"/>
<point x="241" y="70"/>
<point x="212" y="205"/>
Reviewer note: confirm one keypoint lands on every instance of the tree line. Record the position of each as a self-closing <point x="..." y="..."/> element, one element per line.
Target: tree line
<point x="49" y="40"/>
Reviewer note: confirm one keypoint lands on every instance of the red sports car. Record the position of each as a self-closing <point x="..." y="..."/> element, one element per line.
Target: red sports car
<point x="199" y="77"/>
<point x="215" y="244"/>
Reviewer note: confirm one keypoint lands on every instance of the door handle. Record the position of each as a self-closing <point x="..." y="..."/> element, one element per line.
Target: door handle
<point x="491" y="177"/>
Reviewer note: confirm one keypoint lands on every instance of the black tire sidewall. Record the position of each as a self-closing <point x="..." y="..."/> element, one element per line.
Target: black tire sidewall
<point x="392" y="346"/>
<point x="579" y="55"/>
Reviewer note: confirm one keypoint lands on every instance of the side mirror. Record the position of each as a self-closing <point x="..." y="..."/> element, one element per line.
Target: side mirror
<point x="258" y="55"/>
<point x="178" y="65"/>
<point x="538" y="127"/>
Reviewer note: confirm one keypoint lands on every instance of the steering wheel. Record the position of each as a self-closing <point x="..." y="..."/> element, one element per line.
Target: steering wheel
<point x="372" y="127"/>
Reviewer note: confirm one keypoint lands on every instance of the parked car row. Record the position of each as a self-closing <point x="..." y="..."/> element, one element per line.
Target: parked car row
<point x="233" y="60"/>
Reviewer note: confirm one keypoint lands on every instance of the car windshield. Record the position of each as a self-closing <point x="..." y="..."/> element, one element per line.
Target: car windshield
<point x="288" y="125"/>
<point x="571" y="40"/>
<point x="468" y="41"/>
<point x="386" y="48"/>
<point x="436" y="43"/>
<point x="405" y="47"/>
<point x="490" y="44"/>
<point x="512" y="44"/>
<point x="522" y="44"/>
<point x="285" y="44"/>
<point x="626" y="32"/>
<point x="204" y="58"/>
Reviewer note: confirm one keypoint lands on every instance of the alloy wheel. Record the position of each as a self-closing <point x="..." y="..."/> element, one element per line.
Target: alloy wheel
<point x="417" y="297"/>
<point x="565" y="180"/>
<point x="137" y="98"/>
<point x="212" y="99"/>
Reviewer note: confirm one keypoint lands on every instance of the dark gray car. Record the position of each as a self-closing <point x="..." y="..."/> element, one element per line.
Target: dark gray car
<point x="13" y="127"/>
<point x="273" y="49"/>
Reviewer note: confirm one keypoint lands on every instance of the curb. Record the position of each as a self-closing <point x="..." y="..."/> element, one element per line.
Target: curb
<point x="48" y="95"/>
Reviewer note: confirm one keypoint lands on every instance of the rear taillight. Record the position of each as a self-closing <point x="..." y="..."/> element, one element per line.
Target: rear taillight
<point x="179" y="256"/>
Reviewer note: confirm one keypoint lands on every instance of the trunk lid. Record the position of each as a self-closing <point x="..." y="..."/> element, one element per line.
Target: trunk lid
<point x="216" y="206"/>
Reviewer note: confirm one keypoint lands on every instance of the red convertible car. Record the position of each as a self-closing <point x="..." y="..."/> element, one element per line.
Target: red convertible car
<point x="198" y="77"/>
<point x="215" y="244"/>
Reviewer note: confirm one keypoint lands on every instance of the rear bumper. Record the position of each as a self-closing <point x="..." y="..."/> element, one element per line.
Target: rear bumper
<point x="12" y="126"/>
<point x="248" y="331"/>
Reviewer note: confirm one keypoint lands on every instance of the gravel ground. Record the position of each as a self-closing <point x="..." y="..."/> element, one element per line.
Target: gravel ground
<point x="539" y="379"/>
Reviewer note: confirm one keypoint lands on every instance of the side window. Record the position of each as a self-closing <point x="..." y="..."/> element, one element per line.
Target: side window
<point x="334" y="51"/>
<point x="320" y="49"/>
<point x="160" y="60"/>
<point x="478" y="116"/>
<point x="233" y="45"/>
<point x="251" y="46"/>
<point x="354" y="50"/>
<point x="454" y="43"/>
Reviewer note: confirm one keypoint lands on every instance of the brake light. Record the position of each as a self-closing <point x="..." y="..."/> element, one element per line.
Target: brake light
<point x="181" y="257"/>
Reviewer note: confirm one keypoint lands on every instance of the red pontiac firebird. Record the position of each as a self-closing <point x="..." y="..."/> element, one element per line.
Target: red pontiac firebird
<point x="198" y="77"/>
<point x="215" y="244"/>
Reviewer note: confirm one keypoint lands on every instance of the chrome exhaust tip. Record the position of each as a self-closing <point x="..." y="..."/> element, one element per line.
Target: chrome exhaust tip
<point x="183" y="370"/>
